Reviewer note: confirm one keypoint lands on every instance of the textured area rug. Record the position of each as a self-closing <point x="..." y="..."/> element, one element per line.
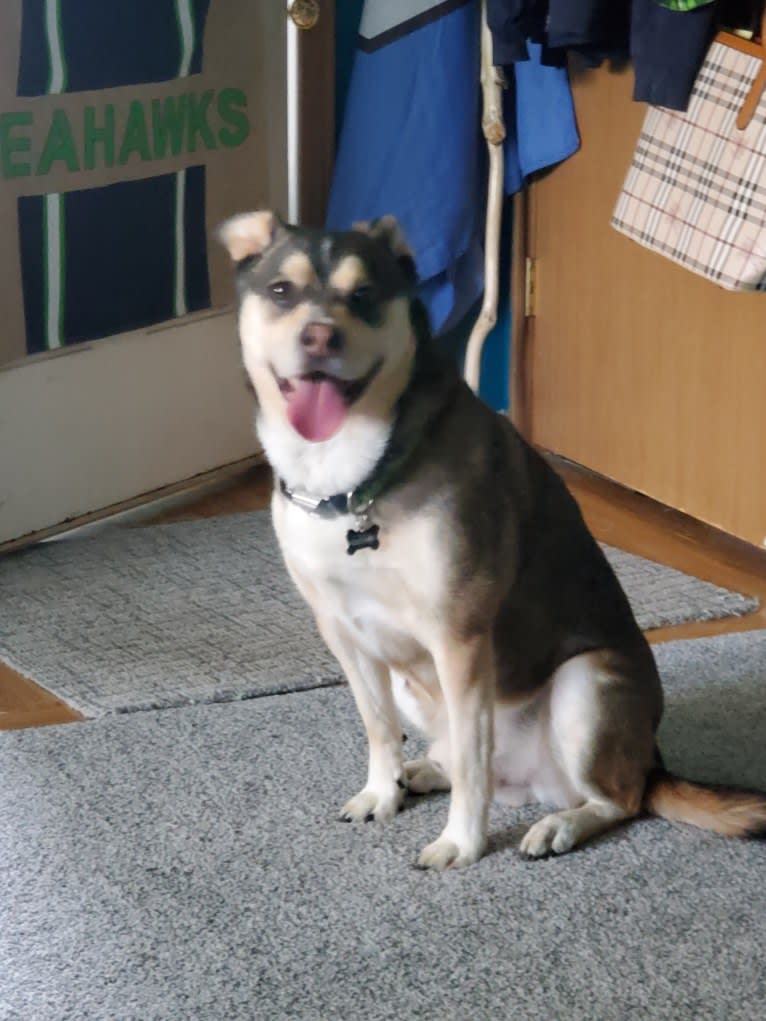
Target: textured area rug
<point x="204" y="611"/>
<point x="188" y="864"/>
<point x="170" y="615"/>
<point x="661" y="596"/>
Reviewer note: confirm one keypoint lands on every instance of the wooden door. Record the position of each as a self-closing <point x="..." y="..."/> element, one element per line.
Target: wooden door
<point x="638" y="369"/>
<point x="233" y="111"/>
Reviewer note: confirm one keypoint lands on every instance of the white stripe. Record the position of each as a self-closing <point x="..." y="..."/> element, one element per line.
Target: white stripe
<point x="53" y="270"/>
<point x="180" y="270"/>
<point x="186" y="24"/>
<point x="185" y="20"/>
<point x="293" y="114"/>
<point x="54" y="46"/>
<point x="53" y="203"/>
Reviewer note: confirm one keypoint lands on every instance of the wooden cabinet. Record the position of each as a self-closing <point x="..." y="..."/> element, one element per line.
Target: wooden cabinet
<point x="634" y="367"/>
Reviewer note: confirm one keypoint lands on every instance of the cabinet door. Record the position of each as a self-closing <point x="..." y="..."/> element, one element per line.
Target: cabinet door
<point x="638" y="369"/>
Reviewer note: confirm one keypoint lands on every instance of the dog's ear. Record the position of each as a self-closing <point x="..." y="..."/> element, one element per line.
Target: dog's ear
<point x="387" y="229"/>
<point x="248" y="235"/>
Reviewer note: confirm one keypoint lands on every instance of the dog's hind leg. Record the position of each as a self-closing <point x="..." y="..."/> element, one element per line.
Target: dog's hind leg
<point x="381" y="797"/>
<point x="603" y="716"/>
<point x="423" y="707"/>
<point x="561" y="831"/>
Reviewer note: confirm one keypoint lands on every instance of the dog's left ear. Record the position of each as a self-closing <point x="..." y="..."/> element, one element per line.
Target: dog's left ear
<point x="248" y="235"/>
<point x="388" y="230"/>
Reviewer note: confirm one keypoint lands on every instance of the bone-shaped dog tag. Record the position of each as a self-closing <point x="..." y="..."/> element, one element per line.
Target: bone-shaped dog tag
<point x="368" y="539"/>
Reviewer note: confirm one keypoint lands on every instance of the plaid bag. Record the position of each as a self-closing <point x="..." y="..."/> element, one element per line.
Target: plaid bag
<point x="696" y="189"/>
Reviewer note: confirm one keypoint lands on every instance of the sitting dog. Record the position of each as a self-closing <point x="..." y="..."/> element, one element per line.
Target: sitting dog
<point x="448" y="567"/>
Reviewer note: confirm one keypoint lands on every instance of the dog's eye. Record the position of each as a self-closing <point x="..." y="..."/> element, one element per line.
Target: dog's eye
<point x="362" y="303"/>
<point x="283" y="293"/>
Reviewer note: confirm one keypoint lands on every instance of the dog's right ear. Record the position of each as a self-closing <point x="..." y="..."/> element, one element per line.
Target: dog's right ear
<point x="387" y="229"/>
<point x="248" y="235"/>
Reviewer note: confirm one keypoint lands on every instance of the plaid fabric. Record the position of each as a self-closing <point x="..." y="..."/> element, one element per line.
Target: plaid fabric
<point x="696" y="189"/>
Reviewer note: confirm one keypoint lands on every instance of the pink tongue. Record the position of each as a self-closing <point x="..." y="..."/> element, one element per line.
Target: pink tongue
<point x="316" y="408"/>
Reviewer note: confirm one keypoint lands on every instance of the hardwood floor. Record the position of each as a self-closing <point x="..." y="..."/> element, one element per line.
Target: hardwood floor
<point x="25" y="704"/>
<point x="638" y="524"/>
<point x="615" y="515"/>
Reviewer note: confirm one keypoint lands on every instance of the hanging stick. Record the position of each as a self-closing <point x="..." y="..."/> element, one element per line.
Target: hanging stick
<point x="494" y="132"/>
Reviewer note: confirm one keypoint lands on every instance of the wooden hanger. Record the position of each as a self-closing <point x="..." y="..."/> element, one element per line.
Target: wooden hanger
<point x="752" y="49"/>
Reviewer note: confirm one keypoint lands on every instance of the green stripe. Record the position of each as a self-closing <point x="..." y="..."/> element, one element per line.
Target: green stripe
<point x="683" y="5"/>
<point x="62" y="268"/>
<point x="46" y="275"/>
<point x="180" y="307"/>
<point x="53" y="271"/>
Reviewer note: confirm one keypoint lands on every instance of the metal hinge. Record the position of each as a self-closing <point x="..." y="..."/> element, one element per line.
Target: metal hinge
<point x="530" y="288"/>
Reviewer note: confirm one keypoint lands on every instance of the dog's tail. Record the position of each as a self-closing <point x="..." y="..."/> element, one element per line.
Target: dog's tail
<point x="730" y="811"/>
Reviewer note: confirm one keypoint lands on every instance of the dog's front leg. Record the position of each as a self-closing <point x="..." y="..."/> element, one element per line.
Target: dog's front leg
<point x="370" y="681"/>
<point x="466" y="679"/>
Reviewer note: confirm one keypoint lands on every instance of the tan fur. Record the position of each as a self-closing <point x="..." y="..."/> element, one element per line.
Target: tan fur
<point x="730" y="812"/>
<point x="298" y="270"/>
<point x="349" y="275"/>
<point x="247" y="234"/>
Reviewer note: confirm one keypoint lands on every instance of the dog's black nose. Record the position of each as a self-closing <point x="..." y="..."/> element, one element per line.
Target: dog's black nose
<point x="321" y="339"/>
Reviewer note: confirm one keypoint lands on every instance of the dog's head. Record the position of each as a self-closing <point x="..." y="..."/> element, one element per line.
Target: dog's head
<point x="323" y="319"/>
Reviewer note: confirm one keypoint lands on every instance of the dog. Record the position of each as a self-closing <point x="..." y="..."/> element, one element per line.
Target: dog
<point x="448" y="567"/>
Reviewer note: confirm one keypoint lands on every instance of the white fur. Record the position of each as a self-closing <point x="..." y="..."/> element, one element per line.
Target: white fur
<point x="384" y="605"/>
<point x="337" y="465"/>
<point x="538" y="741"/>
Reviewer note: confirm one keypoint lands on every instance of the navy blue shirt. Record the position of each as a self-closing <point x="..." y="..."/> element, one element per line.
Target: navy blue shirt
<point x="667" y="47"/>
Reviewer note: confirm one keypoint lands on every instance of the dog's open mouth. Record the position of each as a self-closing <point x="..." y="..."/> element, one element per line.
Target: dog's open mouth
<point x="317" y="403"/>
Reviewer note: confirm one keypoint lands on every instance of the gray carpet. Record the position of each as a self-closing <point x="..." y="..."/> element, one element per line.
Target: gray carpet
<point x="203" y="611"/>
<point x="186" y="864"/>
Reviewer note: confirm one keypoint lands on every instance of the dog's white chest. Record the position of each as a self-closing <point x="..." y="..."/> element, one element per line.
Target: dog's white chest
<point x="377" y="596"/>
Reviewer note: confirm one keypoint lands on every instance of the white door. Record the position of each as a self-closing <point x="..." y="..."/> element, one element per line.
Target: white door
<point x="171" y="142"/>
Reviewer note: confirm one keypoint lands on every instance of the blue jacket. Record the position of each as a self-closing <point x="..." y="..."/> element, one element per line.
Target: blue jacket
<point x="666" y="47"/>
<point x="411" y="141"/>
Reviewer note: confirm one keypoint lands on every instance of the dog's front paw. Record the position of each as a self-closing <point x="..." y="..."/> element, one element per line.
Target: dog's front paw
<point x="446" y="853"/>
<point x="371" y="804"/>
<point x="554" y="834"/>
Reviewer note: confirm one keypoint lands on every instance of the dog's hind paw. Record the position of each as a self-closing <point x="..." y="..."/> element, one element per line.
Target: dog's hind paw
<point x="555" y="834"/>
<point x="424" y="775"/>
<point x="369" y="805"/>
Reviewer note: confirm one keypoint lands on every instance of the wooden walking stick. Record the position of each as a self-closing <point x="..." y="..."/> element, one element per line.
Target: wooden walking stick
<point x="494" y="131"/>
